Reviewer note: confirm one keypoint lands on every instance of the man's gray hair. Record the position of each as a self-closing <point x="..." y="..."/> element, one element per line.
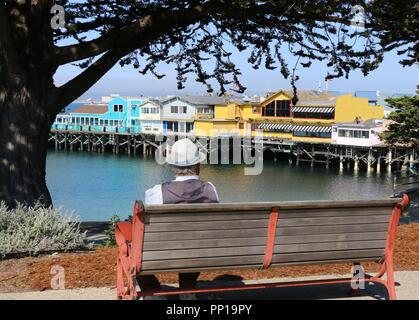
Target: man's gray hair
<point x="184" y="171"/>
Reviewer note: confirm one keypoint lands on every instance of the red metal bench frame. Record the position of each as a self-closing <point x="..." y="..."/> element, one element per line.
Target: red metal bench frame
<point x="129" y="238"/>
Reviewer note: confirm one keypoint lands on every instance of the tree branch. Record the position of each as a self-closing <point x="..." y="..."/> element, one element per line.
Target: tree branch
<point x="73" y="89"/>
<point x="150" y="26"/>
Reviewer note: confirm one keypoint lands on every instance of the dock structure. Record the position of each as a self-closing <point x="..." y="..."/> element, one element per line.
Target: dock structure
<point x="371" y="159"/>
<point x="92" y="141"/>
<point x="320" y="128"/>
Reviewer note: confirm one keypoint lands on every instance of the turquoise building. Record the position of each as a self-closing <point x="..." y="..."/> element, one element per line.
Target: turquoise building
<point x="120" y="114"/>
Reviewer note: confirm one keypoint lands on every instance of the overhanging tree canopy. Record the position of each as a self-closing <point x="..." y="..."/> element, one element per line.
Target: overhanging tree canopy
<point x="404" y="128"/>
<point x="184" y="33"/>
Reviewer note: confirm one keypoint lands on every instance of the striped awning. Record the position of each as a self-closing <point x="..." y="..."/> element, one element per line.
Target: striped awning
<point x="312" y="129"/>
<point x="313" y="109"/>
<point x="276" y="126"/>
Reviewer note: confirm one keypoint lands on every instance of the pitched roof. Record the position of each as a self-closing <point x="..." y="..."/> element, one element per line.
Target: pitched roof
<point x="312" y="95"/>
<point x="152" y="101"/>
<point x="92" y="109"/>
<point x="199" y="100"/>
<point x="309" y="97"/>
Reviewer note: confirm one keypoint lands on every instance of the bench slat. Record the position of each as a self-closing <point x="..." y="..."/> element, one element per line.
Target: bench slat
<point x="250" y="215"/>
<point x="259" y="250"/>
<point x="261" y="206"/>
<point x="261" y="232"/>
<point x="256" y="260"/>
<point x="238" y="267"/>
<point x="237" y="242"/>
<point x="261" y="223"/>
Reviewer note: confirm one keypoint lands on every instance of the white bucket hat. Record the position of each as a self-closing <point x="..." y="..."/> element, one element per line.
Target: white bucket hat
<point x="184" y="153"/>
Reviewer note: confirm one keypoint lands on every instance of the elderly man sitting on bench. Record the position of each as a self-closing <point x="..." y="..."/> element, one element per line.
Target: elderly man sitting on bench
<point x="184" y="160"/>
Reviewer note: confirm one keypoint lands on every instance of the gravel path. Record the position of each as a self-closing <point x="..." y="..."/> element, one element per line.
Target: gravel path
<point x="408" y="288"/>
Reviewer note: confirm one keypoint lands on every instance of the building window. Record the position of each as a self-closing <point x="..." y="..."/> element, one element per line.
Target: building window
<point x="282" y="108"/>
<point x="277" y="108"/>
<point x="202" y="110"/>
<point x="118" y="108"/>
<point x="312" y="134"/>
<point x="359" y="134"/>
<point x="174" y="109"/>
<point x="269" y="110"/>
<point x="172" y="126"/>
<point x="189" y="126"/>
<point x="241" y="126"/>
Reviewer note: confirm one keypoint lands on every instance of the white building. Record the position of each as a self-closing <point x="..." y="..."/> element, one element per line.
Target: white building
<point x="362" y="134"/>
<point x="150" y="117"/>
<point x="179" y="113"/>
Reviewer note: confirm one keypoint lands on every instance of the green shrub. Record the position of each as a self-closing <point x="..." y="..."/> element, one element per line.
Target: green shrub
<point x="110" y="231"/>
<point x="32" y="230"/>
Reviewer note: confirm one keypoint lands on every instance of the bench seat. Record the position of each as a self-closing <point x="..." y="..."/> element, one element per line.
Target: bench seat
<point x="204" y="237"/>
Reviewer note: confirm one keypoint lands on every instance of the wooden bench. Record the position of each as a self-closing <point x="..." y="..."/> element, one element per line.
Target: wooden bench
<point x="204" y="237"/>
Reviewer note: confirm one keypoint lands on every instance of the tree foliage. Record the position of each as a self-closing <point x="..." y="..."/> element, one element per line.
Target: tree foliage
<point x="198" y="37"/>
<point x="404" y="128"/>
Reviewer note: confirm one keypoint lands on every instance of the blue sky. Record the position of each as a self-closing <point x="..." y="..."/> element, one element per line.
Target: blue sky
<point x="390" y="77"/>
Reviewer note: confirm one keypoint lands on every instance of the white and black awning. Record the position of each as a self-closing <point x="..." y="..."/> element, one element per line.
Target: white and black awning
<point x="313" y="110"/>
<point x="290" y="127"/>
<point x="276" y="126"/>
<point x="312" y="129"/>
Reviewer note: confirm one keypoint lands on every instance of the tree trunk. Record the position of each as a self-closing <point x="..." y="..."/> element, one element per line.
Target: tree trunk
<point x="24" y="130"/>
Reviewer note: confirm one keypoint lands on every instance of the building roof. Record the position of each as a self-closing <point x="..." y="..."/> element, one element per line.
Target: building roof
<point x="310" y="97"/>
<point x="152" y="101"/>
<point x="369" y="124"/>
<point x="92" y="109"/>
<point x="316" y="103"/>
<point x="199" y="100"/>
<point x="371" y="95"/>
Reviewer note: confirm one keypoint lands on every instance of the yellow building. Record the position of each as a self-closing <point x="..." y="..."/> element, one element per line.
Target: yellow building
<point x="310" y="120"/>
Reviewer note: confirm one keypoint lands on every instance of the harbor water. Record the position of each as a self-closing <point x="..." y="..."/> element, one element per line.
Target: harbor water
<point x="96" y="186"/>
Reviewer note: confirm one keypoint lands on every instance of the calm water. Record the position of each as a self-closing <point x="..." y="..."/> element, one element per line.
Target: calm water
<point x="96" y="186"/>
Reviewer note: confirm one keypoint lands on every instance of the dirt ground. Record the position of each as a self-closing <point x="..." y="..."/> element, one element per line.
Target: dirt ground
<point x="97" y="268"/>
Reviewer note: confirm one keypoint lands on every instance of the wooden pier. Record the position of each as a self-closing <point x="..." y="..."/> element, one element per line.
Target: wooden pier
<point x="371" y="159"/>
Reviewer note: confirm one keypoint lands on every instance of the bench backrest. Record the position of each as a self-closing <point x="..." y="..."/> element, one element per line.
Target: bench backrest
<point x="195" y="237"/>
